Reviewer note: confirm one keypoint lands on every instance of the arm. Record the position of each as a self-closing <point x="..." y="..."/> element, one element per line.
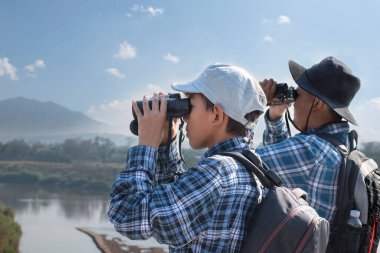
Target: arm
<point x="276" y="130"/>
<point x="172" y="213"/>
<point x="169" y="163"/>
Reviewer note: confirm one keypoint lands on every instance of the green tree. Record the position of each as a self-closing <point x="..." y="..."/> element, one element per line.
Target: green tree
<point x="10" y="231"/>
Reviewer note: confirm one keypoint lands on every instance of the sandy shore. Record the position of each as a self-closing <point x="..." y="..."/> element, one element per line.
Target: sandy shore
<point x="115" y="245"/>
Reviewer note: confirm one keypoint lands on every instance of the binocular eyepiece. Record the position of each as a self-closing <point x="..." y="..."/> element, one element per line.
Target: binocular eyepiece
<point x="286" y="94"/>
<point x="177" y="107"/>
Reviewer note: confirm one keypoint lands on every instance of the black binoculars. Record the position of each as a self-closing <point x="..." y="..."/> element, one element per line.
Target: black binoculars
<point x="177" y="107"/>
<point x="286" y="94"/>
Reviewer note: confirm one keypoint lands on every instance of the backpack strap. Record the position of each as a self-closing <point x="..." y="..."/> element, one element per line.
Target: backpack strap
<point x="254" y="164"/>
<point x="353" y="139"/>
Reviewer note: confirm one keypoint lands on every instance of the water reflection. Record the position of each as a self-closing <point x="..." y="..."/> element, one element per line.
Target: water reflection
<point x="72" y="204"/>
<point x="49" y="219"/>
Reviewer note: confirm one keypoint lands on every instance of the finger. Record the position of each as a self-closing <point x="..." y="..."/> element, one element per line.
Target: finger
<point x="145" y="104"/>
<point x="136" y="109"/>
<point x="263" y="83"/>
<point x="155" y="107"/>
<point x="163" y="106"/>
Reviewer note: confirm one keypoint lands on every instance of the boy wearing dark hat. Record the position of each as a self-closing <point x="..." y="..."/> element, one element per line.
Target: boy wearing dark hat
<point x="208" y="208"/>
<point x="307" y="161"/>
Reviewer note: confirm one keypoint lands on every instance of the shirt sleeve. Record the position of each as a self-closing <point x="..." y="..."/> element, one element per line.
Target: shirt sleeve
<point x="276" y="130"/>
<point x="169" y="163"/>
<point x="173" y="213"/>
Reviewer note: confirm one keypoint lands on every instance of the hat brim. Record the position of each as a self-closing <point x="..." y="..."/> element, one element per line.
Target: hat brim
<point x="299" y="75"/>
<point x="189" y="87"/>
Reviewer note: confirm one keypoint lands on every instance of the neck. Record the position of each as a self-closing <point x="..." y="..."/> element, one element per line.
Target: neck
<point x="220" y="137"/>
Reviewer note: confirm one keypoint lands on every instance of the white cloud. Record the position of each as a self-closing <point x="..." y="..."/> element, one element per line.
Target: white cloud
<point x="6" y="68"/>
<point x="31" y="68"/>
<point x="268" y="38"/>
<point x="126" y="51"/>
<point x="118" y="113"/>
<point x="152" y="11"/>
<point x="374" y="103"/>
<point x="283" y="19"/>
<point x="115" y="72"/>
<point x="172" y="58"/>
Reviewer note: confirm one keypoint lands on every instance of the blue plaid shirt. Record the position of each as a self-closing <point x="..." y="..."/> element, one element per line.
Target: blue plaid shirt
<point x="206" y="209"/>
<point x="306" y="161"/>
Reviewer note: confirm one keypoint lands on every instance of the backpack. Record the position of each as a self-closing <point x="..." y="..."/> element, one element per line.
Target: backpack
<point x="283" y="222"/>
<point x="358" y="189"/>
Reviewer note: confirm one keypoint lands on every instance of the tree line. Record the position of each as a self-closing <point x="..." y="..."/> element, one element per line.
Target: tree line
<point x="101" y="149"/>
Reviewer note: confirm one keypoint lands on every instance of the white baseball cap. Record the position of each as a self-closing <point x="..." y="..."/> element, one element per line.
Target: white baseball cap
<point x="229" y="86"/>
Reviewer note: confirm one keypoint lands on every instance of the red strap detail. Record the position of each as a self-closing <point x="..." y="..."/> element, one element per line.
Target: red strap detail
<point x="278" y="228"/>
<point x="307" y="236"/>
<point x="373" y="233"/>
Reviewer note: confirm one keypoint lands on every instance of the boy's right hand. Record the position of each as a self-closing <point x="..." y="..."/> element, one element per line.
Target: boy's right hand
<point x="152" y="121"/>
<point x="275" y="111"/>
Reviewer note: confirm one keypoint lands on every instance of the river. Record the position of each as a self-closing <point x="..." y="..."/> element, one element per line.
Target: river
<point x="49" y="218"/>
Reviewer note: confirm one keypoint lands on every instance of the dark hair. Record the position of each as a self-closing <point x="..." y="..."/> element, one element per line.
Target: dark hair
<point x="234" y="127"/>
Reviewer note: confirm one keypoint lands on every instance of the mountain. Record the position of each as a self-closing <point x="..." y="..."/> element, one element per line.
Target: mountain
<point x="22" y="117"/>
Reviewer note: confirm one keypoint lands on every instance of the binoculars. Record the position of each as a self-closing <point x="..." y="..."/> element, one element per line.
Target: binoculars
<point x="286" y="94"/>
<point x="177" y="107"/>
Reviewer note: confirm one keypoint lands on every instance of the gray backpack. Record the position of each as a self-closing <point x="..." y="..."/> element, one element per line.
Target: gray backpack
<point x="283" y="222"/>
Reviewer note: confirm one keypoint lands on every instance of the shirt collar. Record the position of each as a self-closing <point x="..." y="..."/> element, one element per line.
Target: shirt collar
<point x="227" y="145"/>
<point x="331" y="128"/>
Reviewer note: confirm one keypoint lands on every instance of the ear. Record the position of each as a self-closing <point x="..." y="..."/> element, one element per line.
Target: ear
<point x="318" y="104"/>
<point x="218" y="115"/>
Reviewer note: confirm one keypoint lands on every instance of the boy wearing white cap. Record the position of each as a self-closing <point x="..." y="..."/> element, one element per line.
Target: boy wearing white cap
<point x="208" y="208"/>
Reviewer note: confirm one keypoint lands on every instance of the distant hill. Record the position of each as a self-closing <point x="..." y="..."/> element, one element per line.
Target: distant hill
<point x="28" y="117"/>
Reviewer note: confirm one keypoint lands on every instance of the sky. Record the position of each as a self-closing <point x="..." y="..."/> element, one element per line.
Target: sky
<point x="97" y="56"/>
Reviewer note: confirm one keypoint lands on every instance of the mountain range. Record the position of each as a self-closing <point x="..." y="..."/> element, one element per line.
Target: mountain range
<point x="21" y="117"/>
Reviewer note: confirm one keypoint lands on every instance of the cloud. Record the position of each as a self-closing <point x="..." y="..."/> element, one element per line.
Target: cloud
<point x="150" y="10"/>
<point x="119" y="112"/>
<point x="374" y="103"/>
<point x="115" y="72"/>
<point x="268" y="38"/>
<point x="6" y="68"/>
<point x="126" y="51"/>
<point x="31" y="68"/>
<point x="283" y="19"/>
<point x="172" y="58"/>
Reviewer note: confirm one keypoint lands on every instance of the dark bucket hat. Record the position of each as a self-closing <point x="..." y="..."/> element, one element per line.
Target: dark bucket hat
<point x="330" y="80"/>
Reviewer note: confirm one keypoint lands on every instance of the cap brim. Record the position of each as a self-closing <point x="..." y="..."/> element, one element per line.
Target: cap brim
<point x="300" y="77"/>
<point x="189" y="87"/>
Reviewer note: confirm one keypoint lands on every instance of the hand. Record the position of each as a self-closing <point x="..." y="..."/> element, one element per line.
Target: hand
<point x="151" y="123"/>
<point x="175" y="126"/>
<point x="275" y="111"/>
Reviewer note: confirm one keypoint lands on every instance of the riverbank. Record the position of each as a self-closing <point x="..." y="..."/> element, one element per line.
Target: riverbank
<point x="115" y="245"/>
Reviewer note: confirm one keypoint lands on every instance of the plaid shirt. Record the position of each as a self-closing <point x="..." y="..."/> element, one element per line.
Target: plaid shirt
<point x="306" y="161"/>
<point x="206" y="209"/>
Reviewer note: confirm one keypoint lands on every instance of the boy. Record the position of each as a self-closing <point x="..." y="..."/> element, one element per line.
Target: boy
<point x="208" y="208"/>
